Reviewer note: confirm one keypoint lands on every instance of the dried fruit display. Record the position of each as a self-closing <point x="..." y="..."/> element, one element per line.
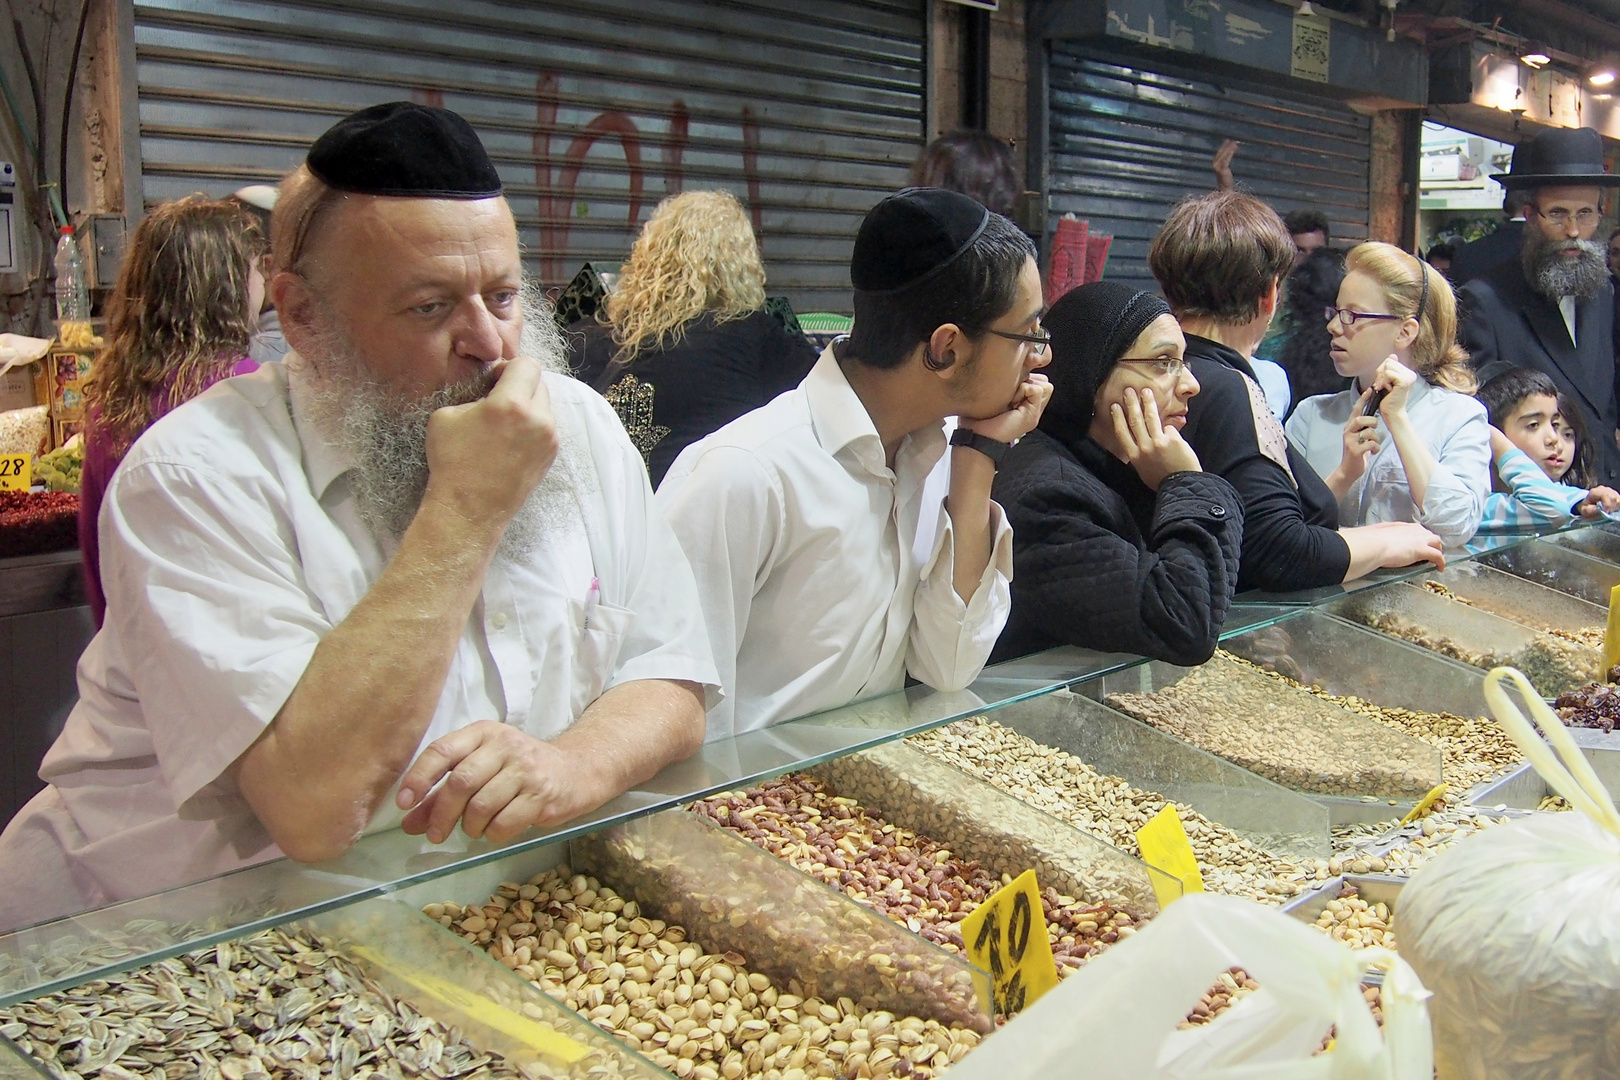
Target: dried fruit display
<point x="36" y="522"/>
<point x="1595" y="705"/>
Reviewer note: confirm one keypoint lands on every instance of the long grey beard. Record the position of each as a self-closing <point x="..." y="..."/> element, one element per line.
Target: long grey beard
<point x="386" y="438"/>
<point x="1554" y="276"/>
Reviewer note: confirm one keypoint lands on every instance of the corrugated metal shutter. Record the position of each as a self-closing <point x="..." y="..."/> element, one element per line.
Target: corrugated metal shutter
<point x="1127" y="144"/>
<point x="593" y="112"/>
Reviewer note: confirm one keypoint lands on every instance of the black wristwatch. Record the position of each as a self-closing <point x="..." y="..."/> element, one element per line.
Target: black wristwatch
<point x="984" y="444"/>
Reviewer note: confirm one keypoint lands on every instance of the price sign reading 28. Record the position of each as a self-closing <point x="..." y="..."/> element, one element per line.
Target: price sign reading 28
<point x="1006" y="936"/>
<point x="16" y="472"/>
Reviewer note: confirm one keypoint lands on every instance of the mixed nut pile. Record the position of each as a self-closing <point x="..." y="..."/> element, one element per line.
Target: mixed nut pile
<point x="1106" y="806"/>
<point x="913" y="879"/>
<point x="1238" y="712"/>
<point x="1472" y="749"/>
<point x="1552" y="664"/>
<point x="280" y="1005"/>
<point x="697" y="1013"/>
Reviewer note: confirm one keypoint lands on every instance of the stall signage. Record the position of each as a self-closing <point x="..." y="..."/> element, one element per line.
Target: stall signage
<point x="1164" y="846"/>
<point x="1006" y="936"/>
<point x="1611" y="635"/>
<point x="16" y="472"/>
<point x="1313" y="38"/>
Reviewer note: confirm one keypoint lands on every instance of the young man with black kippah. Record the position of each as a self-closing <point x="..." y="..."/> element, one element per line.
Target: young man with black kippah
<point x="800" y="519"/>
<point x="413" y="575"/>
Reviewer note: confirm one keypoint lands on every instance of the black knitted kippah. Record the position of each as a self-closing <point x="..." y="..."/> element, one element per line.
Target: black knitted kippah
<point x="913" y="235"/>
<point x="407" y="150"/>
<point x="1091" y="326"/>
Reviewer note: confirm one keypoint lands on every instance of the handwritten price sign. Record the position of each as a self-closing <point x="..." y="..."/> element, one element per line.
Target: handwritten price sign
<point x="16" y="472"/>
<point x="1006" y="936"/>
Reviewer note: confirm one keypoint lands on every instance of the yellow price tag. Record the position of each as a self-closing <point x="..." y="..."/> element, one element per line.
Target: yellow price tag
<point x="16" y="472"/>
<point x="481" y="1009"/>
<point x="1164" y="845"/>
<point x="1611" y="635"/>
<point x="1006" y="936"/>
<point x="1426" y="804"/>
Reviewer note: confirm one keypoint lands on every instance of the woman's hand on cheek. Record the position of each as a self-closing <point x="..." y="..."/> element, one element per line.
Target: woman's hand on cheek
<point x="1150" y="448"/>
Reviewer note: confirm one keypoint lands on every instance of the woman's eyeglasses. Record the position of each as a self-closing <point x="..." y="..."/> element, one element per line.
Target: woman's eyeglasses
<point x="1348" y="318"/>
<point x="1037" y="342"/>
<point x="1162" y="367"/>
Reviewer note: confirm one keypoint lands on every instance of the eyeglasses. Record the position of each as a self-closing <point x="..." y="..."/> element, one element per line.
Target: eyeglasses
<point x="1348" y="318"/>
<point x="1162" y="367"/>
<point x="1037" y="342"/>
<point x="1560" y="216"/>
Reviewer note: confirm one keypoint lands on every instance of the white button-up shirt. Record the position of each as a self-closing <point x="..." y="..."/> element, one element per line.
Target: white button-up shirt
<point x="1454" y="427"/>
<point x="231" y="544"/>
<point x="802" y="541"/>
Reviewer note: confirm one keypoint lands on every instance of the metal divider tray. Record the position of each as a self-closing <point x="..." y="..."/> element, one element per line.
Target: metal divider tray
<point x="1601" y="541"/>
<point x="1516" y="598"/>
<point x="1473" y="636"/>
<point x="1523" y="788"/>
<point x="1558" y="567"/>
<point x="1375" y="889"/>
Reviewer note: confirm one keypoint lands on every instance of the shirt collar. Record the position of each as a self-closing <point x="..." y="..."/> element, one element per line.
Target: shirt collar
<point x="839" y="418"/>
<point x="323" y="462"/>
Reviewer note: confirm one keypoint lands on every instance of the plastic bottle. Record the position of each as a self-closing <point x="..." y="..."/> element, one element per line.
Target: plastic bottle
<point x="72" y="294"/>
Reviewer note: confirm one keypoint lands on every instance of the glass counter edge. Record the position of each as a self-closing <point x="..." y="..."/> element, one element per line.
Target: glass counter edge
<point x="863" y="725"/>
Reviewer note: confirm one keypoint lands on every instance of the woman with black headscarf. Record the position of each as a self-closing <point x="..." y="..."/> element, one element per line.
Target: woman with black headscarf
<point x="1120" y="542"/>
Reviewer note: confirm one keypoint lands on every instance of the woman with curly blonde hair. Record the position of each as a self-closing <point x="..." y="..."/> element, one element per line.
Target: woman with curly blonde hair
<point x="186" y="302"/>
<point x="685" y="344"/>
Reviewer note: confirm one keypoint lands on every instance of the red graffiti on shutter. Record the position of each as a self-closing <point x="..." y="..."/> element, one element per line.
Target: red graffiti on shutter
<point x="432" y="98"/>
<point x="675" y="149"/>
<point x="750" y="156"/>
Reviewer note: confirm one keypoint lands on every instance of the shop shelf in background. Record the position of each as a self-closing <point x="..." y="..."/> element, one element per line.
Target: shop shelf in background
<point x="1271" y="729"/>
<point x="1521" y="600"/>
<point x="1473" y="636"/>
<point x="976" y="820"/>
<point x="1559" y="568"/>
<point x="1268" y="815"/>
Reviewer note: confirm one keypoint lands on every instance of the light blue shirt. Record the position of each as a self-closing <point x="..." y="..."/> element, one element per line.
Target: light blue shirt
<point x="1274" y="381"/>
<point x="1455" y="429"/>
<point x="1531" y="501"/>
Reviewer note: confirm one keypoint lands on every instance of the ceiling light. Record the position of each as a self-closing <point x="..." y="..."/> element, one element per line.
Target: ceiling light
<point x="1601" y="78"/>
<point x="1536" y="59"/>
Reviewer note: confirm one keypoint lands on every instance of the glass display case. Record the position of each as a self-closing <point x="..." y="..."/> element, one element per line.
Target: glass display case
<point x="1601" y="541"/>
<point x="1244" y="750"/>
<point x="1518" y="599"/>
<point x="1558" y="567"/>
<point x="1473" y="635"/>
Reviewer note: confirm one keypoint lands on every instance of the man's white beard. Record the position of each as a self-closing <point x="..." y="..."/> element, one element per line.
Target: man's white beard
<point x="1555" y="275"/>
<point x="385" y="435"/>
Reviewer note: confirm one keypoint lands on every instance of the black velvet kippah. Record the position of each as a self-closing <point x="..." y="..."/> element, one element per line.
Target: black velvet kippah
<point x="913" y="235"/>
<point x="1091" y="327"/>
<point x="407" y="150"/>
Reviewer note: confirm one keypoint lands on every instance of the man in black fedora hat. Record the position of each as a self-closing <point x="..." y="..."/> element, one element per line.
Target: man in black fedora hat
<point x="1553" y="307"/>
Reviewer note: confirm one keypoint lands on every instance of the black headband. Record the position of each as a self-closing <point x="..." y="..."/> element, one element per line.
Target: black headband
<point x="1423" y="297"/>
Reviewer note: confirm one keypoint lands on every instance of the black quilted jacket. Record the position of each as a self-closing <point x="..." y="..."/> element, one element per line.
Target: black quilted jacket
<point x="1102" y="562"/>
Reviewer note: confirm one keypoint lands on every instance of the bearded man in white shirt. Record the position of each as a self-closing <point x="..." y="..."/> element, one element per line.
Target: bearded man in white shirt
<point x="414" y="570"/>
<point x="801" y="518"/>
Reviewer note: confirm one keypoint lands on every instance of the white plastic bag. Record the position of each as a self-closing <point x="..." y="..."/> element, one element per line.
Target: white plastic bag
<point x="1116" y="1018"/>
<point x="1517" y="931"/>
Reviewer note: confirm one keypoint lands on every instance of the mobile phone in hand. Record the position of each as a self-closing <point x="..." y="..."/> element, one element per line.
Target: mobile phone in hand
<point x="1373" y="402"/>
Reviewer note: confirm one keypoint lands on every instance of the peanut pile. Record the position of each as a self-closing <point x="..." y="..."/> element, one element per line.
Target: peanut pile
<point x="912" y="879"/>
<point x="1106" y="806"/>
<point x="1360" y="925"/>
<point x="1472" y="749"/>
<point x="698" y="1014"/>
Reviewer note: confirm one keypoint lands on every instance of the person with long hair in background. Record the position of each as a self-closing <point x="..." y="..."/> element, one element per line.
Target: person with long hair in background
<point x="1407" y="442"/>
<point x="186" y="302"/>
<point x="687" y="345"/>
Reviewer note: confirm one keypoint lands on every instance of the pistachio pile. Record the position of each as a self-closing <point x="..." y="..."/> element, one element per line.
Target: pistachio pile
<point x="1360" y="925"/>
<point x="912" y="879"/>
<point x="1106" y="806"/>
<point x="1239" y="713"/>
<point x="280" y="1005"/>
<point x="696" y="1013"/>
<point x="1472" y="749"/>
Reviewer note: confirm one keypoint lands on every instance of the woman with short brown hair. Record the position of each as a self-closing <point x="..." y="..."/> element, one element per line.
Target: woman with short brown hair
<point x="1220" y="259"/>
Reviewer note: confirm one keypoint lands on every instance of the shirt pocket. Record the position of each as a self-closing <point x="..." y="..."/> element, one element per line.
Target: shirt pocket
<point x="596" y="648"/>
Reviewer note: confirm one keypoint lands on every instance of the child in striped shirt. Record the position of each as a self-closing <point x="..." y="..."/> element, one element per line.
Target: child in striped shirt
<point x="1540" y="457"/>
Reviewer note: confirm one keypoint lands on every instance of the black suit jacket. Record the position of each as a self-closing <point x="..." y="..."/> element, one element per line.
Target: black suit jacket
<point x="1507" y="324"/>
<point x="1479" y="257"/>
